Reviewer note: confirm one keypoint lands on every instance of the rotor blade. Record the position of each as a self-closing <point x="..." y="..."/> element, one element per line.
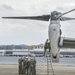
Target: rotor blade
<point x="65" y="13"/>
<point x="66" y="18"/>
<point x="43" y="17"/>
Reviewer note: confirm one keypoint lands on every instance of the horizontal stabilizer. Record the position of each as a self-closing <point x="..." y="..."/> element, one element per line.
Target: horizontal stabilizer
<point x="43" y="17"/>
<point x="66" y="18"/>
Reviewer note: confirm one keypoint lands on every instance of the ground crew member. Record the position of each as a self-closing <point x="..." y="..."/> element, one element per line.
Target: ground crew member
<point x="20" y="66"/>
<point x="28" y="66"/>
<point x="46" y="46"/>
<point x="34" y="66"/>
<point x="24" y="66"/>
<point x="34" y="63"/>
<point x="31" y="70"/>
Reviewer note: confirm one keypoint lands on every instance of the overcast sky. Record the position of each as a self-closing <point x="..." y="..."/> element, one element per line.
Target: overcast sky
<point x="29" y="31"/>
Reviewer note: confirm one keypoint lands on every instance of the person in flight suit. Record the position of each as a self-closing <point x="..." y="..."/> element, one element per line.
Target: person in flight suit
<point x="46" y="46"/>
<point x="32" y="67"/>
<point x="34" y="64"/>
<point x="28" y="65"/>
<point x="24" y="66"/>
<point x="20" y="65"/>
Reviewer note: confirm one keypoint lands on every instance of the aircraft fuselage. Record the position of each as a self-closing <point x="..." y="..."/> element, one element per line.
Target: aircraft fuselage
<point x="54" y="34"/>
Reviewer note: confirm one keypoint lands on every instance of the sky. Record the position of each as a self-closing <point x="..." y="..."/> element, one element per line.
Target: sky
<point x="32" y="32"/>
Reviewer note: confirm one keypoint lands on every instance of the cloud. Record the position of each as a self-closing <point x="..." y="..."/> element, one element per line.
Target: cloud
<point x="66" y="6"/>
<point x="20" y="31"/>
<point x="6" y="7"/>
<point x="29" y="31"/>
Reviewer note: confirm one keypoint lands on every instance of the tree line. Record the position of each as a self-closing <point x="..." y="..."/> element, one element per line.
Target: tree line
<point x="11" y="47"/>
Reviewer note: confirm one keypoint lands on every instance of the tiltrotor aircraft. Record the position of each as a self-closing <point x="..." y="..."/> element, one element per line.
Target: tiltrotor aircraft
<point x="56" y="41"/>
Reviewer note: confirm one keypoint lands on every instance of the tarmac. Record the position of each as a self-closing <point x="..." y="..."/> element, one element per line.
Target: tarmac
<point x="40" y="70"/>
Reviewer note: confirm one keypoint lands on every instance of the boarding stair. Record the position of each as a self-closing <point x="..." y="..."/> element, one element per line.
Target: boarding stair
<point x="50" y="70"/>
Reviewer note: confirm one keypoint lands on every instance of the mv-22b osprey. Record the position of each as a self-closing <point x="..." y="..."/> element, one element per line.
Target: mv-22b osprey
<point x="56" y="41"/>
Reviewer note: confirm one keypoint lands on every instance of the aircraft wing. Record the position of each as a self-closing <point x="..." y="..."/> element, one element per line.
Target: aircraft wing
<point x="68" y="42"/>
<point x="43" y="17"/>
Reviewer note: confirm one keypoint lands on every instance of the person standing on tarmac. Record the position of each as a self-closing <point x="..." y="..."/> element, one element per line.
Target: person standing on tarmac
<point x="28" y="64"/>
<point x="24" y="65"/>
<point x="31" y="67"/>
<point x="20" y="65"/>
<point x="46" y="46"/>
<point x="34" y="60"/>
<point x="34" y="66"/>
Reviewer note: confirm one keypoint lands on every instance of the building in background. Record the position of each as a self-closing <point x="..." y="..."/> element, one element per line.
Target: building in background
<point x="2" y="52"/>
<point x="33" y="47"/>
